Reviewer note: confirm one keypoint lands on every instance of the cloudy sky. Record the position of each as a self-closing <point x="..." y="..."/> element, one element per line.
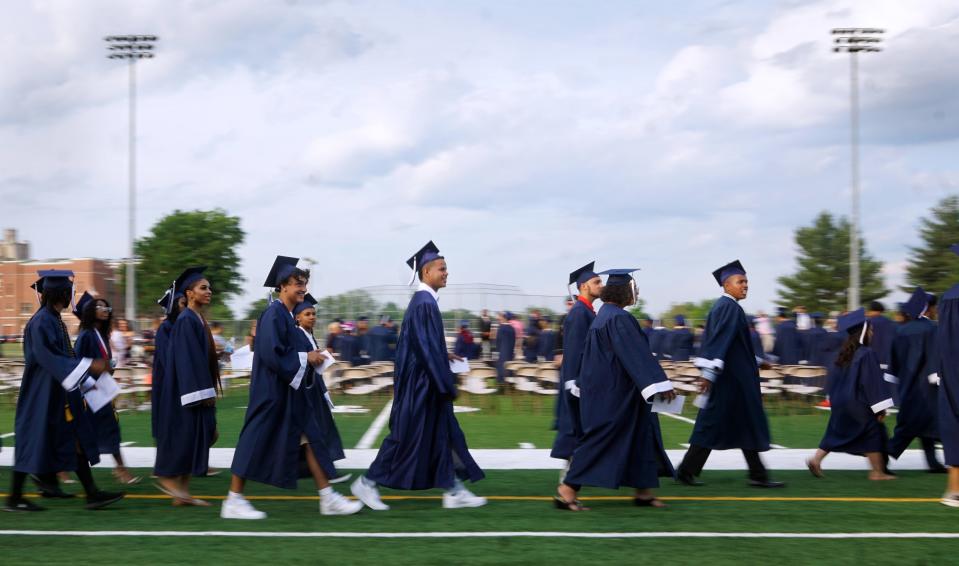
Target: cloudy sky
<point x="525" y="138"/>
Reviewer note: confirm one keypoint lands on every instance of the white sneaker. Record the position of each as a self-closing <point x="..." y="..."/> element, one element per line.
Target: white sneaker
<point x="336" y="504"/>
<point x="462" y="499"/>
<point x="239" y="508"/>
<point x="368" y="494"/>
<point x="950" y="500"/>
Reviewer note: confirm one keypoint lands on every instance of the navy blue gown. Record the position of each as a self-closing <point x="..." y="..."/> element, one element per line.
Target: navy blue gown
<point x="656" y="338"/>
<point x="185" y="428"/>
<point x="680" y="344"/>
<point x="856" y="394"/>
<point x="621" y="443"/>
<point x="568" y="426"/>
<point x="425" y="446"/>
<point x="531" y="344"/>
<point x="547" y="345"/>
<point x="505" y="348"/>
<point x="316" y="394"/>
<point x="377" y="340"/>
<point x="161" y="354"/>
<point x="106" y="421"/>
<point x="815" y="341"/>
<point x="948" y="365"/>
<point x="283" y="409"/>
<point x="883" y="334"/>
<point x="913" y="360"/>
<point x="49" y="420"/>
<point x="788" y="347"/>
<point x="733" y="416"/>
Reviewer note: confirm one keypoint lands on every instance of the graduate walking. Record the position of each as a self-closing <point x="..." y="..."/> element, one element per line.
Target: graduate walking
<point x="621" y="443"/>
<point x="733" y="415"/>
<point x="913" y="367"/>
<point x="96" y="319"/>
<point x="569" y="430"/>
<point x="52" y="432"/>
<point x="680" y="340"/>
<point x="858" y="399"/>
<point x="425" y="447"/>
<point x="173" y="304"/>
<point x="947" y="351"/>
<point x="505" y="345"/>
<point x="186" y="425"/>
<point x="281" y="423"/>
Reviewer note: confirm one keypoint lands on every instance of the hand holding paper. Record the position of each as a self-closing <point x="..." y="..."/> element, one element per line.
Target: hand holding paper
<point x="459" y="366"/>
<point x="661" y="405"/>
<point x="105" y="390"/>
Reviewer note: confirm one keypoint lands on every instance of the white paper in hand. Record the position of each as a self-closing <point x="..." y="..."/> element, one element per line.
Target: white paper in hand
<point x="700" y="401"/>
<point x="675" y="406"/>
<point x="242" y="359"/>
<point x="459" y="366"/>
<point x="328" y="360"/>
<point x="105" y="391"/>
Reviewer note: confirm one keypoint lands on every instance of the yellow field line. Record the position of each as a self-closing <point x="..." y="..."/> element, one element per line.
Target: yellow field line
<point x="586" y="498"/>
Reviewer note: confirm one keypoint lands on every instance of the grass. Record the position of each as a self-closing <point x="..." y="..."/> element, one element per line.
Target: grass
<point x="690" y="510"/>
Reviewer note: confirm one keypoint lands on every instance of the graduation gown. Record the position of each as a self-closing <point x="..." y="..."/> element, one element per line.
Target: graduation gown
<point x="316" y="395"/>
<point x="788" y="347"/>
<point x="547" y="345"/>
<point x="505" y="348"/>
<point x="106" y="421"/>
<point x="680" y="344"/>
<point x="656" y="338"/>
<point x="425" y="441"/>
<point x="47" y="431"/>
<point x="883" y="334"/>
<point x="756" y="341"/>
<point x="465" y="347"/>
<point x="856" y="394"/>
<point x="912" y="363"/>
<point x="531" y="344"/>
<point x="282" y="410"/>
<point x="947" y="351"/>
<point x="161" y="348"/>
<point x="733" y="416"/>
<point x="185" y="428"/>
<point x="377" y="340"/>
<point x="816" y="347"/>
<point x="621" y="444"/>
<point x="568" y="427"/>
<point x="348" y="348"/>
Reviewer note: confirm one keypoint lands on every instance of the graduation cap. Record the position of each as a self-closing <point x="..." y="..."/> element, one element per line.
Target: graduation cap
<point x="308" y="303"/>
<point x="728" y="270"/>
<point x="53" y="279"/>
<point x="851" y="320"/>
<point x="82" y="302"/>
<point x="283" y="267"/>
<point x="165" y="303"/>
<point x="680" y="320"/>
<point x="583" y="274"/>
<point x="189" y="276"/>
<point x="916" y="305"/>
<point x="427" y="253"/>
<point x="385" y="318"/>
<point x="619" y="276"/>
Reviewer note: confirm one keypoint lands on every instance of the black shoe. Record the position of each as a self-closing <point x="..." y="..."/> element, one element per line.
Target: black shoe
<point x="101" y="499"/>
<point x="938" y="470"/>
<point x="766" y="483"/>
<point x="19" y="504"/>
<point x="688" y="479"/>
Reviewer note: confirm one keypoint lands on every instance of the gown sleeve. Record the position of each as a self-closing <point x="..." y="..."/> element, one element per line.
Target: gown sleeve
<point x="278" y="351"/>
<point x="720" y="330"/>
<point x="632" y="350"/>
<point x="45" y="341"/>
<point x="430" y="347"/>
<point x="871" y="383"/>
<point x="190" y="361"/>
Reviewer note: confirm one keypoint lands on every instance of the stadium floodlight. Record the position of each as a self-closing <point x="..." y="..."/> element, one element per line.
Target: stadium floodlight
<point x="854" y="41"/>
<point x="131" y="48"/>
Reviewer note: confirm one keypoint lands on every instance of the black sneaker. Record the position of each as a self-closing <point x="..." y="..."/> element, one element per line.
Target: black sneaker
<point x="101" y="499"/>
<point x="21" y="504"/>
<point x="766" y="483"/>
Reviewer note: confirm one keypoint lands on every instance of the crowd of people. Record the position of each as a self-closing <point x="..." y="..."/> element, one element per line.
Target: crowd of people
<point x="611" y="387"/>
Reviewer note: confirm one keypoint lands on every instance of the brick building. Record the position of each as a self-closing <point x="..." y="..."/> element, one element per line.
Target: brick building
<point x="18" y="301"/>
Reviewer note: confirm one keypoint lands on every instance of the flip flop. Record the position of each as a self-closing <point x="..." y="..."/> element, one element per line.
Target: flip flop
<point x="564" y="505"/>
<point x="651" y="502"/>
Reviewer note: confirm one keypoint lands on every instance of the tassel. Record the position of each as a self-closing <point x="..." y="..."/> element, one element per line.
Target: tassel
<point x="862" y="335"/>
<point x="413" y="277"/>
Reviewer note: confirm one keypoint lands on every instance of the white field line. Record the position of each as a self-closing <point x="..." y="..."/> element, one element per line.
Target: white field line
<point x="483" y="534"/>
<point x="372" y="433"/>
<point x="7" y="434"/>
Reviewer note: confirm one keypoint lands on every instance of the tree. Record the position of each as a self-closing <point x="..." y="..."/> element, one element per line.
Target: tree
<point x="695" y="313"/>
<point x="347" y="306"/>
<point x="933" y="265"/>
<point x="256" y="308"/>
<point x="821" y="282"/>
<point x="638" y="310"/>
<point x="183" y="239"/>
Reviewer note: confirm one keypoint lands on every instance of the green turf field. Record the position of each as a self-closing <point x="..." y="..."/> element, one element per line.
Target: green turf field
<point x="520" y="502"/>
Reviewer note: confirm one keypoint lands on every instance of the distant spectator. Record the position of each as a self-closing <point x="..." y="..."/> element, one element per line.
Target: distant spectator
<point x="765" y="329"/>
<point x="486" y="332"/>
<point x="121" y="340"/>
<point x="547" y="339"/>
<point x="466" y="346"/>
<point x="505" y="345"/>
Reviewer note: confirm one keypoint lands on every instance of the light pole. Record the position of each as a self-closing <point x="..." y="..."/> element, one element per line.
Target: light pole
<point x="131" y="48"/>
<point x="854" y="41"/>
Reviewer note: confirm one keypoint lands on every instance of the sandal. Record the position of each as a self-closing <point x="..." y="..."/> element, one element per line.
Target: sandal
<point x="564" y="505"/>
<point x="650" y="502"/>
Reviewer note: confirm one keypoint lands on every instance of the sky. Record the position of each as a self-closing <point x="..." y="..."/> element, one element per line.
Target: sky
<point x="525" y="138"/>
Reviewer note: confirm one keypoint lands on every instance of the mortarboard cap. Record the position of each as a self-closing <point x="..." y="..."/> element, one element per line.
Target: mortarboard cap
<point x="851" y="320"/>
<point x="427" y="253"/>
<point x="619" y="276"/>
<point x="189" y="276"/>
<point x="52" y="279"/>
<point x="583" y="274"/>
<point x="916" y="305"/>
<point x="283" y="267"/>
<point x="308" y="303"/>
<point x="680" y="320"/>
<point x="728" y="270"/>
<point x="82" y="302"/>
<point x="164" y="301"/>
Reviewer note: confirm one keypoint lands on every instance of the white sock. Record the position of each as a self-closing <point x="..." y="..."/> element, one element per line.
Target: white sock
<point x="326" y="492"/>
<point x="232" y="495"/>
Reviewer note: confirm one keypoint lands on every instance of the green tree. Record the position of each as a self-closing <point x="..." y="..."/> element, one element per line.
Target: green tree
<point x="183" y="239"/>
<point x="695" y="313"/>
<point x="638" y="310"/>
<point x="348" y="306"/>
<point x="256" y="308"/>
<point x="933" y="265"/>
<point x="821" y="280"/>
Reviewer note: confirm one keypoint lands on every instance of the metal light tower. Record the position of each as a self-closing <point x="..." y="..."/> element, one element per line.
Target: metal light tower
<point x="131" y="48"/>
<point x="854" y="41"/>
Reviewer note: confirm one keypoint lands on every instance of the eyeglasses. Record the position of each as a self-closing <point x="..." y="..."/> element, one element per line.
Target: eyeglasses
<point x="102" y="308"/>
